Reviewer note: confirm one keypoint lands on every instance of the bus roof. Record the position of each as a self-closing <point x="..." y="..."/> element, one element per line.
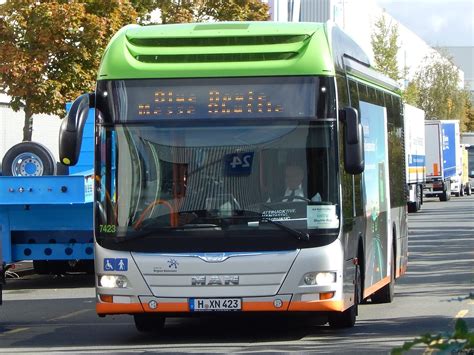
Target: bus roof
<point x="227" y="49"/>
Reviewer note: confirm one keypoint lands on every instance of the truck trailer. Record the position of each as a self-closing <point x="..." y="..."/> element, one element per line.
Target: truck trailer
<point x="46" y="210"/>
<point x="467" y="140"/>
<point x="414" y="122"/>
<point x="442" y="147"/>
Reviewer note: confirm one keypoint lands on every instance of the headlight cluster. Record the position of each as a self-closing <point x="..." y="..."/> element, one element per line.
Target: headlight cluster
<point x="113" y="281"/>
<point x="320" y="278"/>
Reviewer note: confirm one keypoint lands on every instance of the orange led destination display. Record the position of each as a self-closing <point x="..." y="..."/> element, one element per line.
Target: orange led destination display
<point x="168" y="103"/>
<point x="201" y="98"/>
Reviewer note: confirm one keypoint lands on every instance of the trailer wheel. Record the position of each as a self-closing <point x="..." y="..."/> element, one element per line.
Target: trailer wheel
<point x="28" y="159"/>
<point x="416" y="206"/>
<point x="446" y="195"/>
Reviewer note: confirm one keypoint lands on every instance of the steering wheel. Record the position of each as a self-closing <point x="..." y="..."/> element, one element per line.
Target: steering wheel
<point x="297" y="198"/>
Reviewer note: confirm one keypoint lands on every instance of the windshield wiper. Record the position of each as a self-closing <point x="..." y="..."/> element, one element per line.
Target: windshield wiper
<point x="260" y="218"/>
<point x="298" y="234"/>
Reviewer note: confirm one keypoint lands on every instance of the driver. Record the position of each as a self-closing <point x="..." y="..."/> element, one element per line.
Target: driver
<point x="293" y="190"/>
<point x="294" y="175"/>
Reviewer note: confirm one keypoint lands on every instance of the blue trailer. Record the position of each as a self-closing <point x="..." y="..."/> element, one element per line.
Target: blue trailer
<point x="442" y="157"/>
<point x="48" y="219"/>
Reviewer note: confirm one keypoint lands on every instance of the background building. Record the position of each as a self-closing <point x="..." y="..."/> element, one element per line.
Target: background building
<point x="45" y="128"/>
<point x="463" y="57"/>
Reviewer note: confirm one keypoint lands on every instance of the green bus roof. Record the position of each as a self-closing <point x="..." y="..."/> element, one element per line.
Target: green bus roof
<point x="222" y="49"/>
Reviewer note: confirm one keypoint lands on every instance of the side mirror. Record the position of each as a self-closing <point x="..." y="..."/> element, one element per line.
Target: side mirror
<point x="354" y="161"/>
<point x="72" y="127"/>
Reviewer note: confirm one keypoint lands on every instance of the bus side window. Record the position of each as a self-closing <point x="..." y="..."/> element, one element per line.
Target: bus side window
<point x="363" y="93"/>
<point x="357" y="179"/>
<point x="342" y="94"/>
<point x="354" y="94"/>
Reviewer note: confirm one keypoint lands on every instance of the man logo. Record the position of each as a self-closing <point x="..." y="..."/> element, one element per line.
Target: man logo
<point x="224" y="280"/>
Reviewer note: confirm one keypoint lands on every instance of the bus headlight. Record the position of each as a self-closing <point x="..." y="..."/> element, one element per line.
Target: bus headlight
<point x="113" y="281"/>
<point x="320" y="278"/>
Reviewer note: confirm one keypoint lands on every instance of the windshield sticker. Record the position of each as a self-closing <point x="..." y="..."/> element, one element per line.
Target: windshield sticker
<point x="289" y="213"/>
<point x="322" y="217"/>
<point x="238" y="164"/>
<point x="115" y="264"/>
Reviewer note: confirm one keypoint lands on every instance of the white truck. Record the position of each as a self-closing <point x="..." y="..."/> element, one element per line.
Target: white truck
<point x="414" y="123"/>
<point x="467" y="141"/>
<point x="460" y="184"/>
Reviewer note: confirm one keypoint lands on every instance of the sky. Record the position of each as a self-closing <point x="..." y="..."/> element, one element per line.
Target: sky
<point x="438" y="22"/>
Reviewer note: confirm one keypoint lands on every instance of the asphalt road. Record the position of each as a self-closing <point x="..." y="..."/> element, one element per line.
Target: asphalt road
<point x="44" y="314"/>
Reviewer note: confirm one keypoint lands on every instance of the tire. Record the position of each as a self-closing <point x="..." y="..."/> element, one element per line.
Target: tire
<point x="468" y="190"/>
<point x="146" y="323"/>
<point x="28" y="159"/>
<point x="419" y="198"/>
<point x="416" y="206"/>
<point x="446" y="195"/>
<point x="347" y="319"/>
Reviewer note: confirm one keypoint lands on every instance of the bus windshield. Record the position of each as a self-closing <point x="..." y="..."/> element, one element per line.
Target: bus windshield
<point x="216" y="184"/>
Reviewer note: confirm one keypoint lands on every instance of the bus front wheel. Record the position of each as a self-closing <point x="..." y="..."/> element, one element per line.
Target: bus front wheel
<point x="347" y="319"/>
<point x="147" y="323"/>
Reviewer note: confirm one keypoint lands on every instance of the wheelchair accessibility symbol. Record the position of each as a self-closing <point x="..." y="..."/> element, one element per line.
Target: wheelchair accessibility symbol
<point x="115" y="264"/>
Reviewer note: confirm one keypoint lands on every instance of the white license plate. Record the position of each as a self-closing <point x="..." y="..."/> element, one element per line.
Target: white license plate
<point x="215" y="304"/>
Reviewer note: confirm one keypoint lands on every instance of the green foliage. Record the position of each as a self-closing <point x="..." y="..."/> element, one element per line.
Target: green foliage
<point x="461" y="339"/>
<point x="50" y="50"/>
<point x="467" y="122"/>
<point x="411" y="94"/>
<point x="438" y="86"/>
<point x="180" y="11"/>
<point x="384" y="44"/>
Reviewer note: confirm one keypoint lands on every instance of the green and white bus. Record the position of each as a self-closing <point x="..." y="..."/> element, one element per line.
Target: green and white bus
<point x="195" y="125"/>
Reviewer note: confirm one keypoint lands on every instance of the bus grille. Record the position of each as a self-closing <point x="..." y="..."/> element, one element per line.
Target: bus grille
<point x="207" y="58"/>
<point x="216" y="49"/>
<point x="217" y="41"/>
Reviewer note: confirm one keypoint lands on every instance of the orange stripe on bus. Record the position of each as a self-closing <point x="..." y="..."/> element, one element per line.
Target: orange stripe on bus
<point x="402" y="270"/>
<point x="168" y="307"/>
<point x="183" y="307"/>
<point x="263" y="306"/>
<point x="316" y="306"/>
<point x="246" y="307"/>
<point x="118" y="308"/>
<point x="378" y="285"/>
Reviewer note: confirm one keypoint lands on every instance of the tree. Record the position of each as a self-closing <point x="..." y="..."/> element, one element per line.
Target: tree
<point x="179" y="11"/>
<point x="384" y="41"/>
<point x="50" y="50"/>
<point x="438" y="87"/>
<point x="467" y="123"/>
<point x="411" y="94"/>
